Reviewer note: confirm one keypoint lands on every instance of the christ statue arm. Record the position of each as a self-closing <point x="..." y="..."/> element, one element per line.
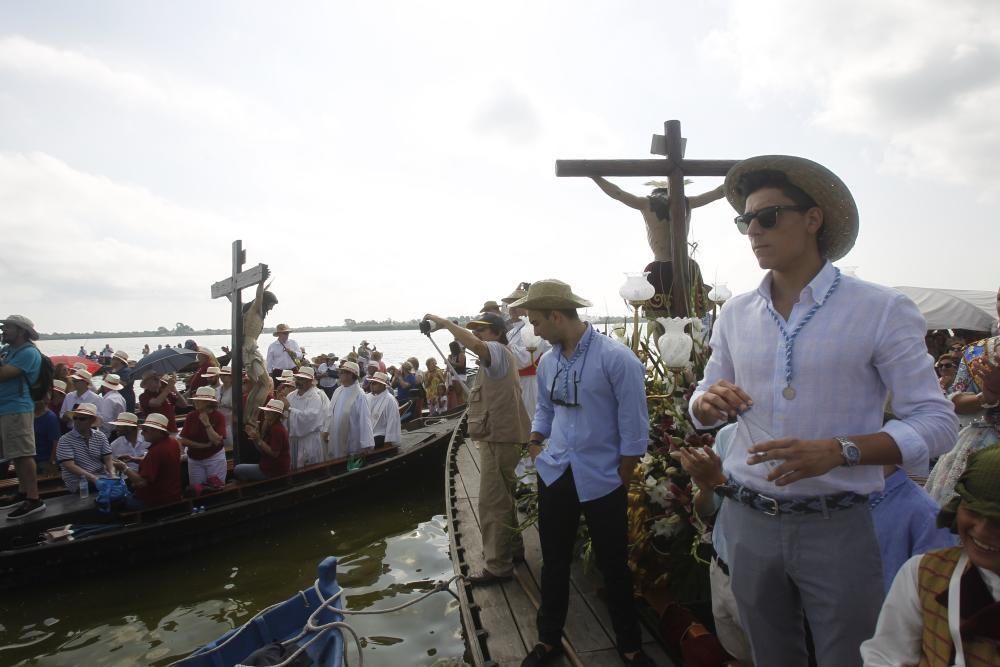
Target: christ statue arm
<point x="627" y="198"/>
<point x="706" y="197"/>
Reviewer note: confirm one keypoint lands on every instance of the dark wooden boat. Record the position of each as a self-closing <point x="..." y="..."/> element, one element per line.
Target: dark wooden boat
<point x="41" y="548"/>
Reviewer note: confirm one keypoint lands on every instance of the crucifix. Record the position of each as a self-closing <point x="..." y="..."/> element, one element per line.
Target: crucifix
<point x="672" y="210"/>
<point x="232" y="289"/>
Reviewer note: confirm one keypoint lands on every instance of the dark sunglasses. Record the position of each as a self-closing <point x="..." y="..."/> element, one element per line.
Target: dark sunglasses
<point x="559" y="401"/>
<point x="767" y="217"/>
<point x="947" y="365"/>
<point x="82" y="419"/>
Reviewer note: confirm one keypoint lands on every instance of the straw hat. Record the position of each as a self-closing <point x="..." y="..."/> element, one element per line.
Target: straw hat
<point x="840" y="212"/>
<point x="85" y="410"/>
<point x="281" y="328"/>
<point x="373" y="364"/>
<point x="287" y="373"/>
<point x="225" y="370"/>
<point x="205" y="394"/>
<point x="306" y="372"/>
<point x="157" y="421"/>
<point x="551" y="295"/>
<point x="489" y="306"/>
<point x="212" y="372"/>
<point x="82" y="374"/>
<point x="79" y="366"/>
<point x="125" y="419"/>
<point x="519" y="293"/>
<point x="112" y="381"/>
<point x="120" y="355"/>
<point x="380" y="377"/>
<point x="59" y="385"/>
<point x="274" y="405"/>
<point x="351" y="367"/>
<point x="24" y="323"/>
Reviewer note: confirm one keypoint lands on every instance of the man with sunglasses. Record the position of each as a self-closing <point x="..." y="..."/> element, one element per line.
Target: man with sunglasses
<point x="813" y="354"/>
<point x="592" y="408"/>
<point x="84" y="453"/>
<point x="498" y="420"/>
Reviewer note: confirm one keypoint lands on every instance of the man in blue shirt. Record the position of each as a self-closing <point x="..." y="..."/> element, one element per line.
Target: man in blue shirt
<point x="20" y="363"/>
<point x="592" y="408"/>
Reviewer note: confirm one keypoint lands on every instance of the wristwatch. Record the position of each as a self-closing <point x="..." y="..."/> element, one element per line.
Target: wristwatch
<point x="850" y="452"/>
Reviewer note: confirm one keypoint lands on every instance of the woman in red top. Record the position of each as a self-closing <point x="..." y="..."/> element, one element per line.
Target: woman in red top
<point x="204" y="434"/>
<point x="271" y="440"/>
<point x="159" y="395"/>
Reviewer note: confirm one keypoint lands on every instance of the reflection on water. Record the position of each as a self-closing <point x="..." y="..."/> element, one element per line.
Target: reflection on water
<point x="392" y="548"/>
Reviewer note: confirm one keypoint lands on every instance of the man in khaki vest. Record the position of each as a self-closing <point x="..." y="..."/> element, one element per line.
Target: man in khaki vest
<point x="498" y="420"/>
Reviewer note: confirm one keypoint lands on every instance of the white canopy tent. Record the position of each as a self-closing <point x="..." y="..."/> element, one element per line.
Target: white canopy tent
<point x="954" y="308"/>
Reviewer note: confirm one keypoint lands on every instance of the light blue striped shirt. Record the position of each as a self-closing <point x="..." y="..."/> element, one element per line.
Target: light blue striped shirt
<point x="609" y="383"/>
<point x="863" y="343"/>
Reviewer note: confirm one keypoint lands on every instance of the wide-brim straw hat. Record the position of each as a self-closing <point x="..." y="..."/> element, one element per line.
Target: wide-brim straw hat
<point x="112" y="381"/>
<point x="274" y="405"/>
<point x="24" y="323"/>
<point x="225" y="370"/>
<point x="840" y="212"/>
<point x="59" y="385"/>
<point x="120" y="355"/>
<point x="551" y="294"/>
<point x="380" y="377"/>
<point x="212" y="372"/>
<point x="125" y="419"/>
<point x="205" y="394"/>
<point x="514" y="296"/>
<point x="281" y="328"/>
<point x="81" y="374"/>
<point x="157" y="421"/>
<point x="85" y="410"/>
<point x="306" y="373"/>
<point x="350" y="367"/>
<point x="488" y="306"/>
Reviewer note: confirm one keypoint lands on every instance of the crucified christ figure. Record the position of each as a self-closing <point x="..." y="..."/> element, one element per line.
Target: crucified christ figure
<point x="655" y="210"/>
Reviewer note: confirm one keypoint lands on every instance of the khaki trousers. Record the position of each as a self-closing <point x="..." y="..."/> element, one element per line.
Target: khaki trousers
<point x="497" y="513"/>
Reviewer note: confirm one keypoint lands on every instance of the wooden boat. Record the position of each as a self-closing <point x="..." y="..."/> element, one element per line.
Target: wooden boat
<point x="73" y="538"/>
<point x="305" y="623"/>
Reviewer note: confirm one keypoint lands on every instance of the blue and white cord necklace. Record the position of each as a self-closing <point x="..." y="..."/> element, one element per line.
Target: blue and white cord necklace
<point x="789" y="392"/>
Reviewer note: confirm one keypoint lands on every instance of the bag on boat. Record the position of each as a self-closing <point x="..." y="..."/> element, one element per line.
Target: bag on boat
<point x="111" y="491"/>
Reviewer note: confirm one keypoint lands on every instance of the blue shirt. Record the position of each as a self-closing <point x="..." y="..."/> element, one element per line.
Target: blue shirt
<point x="403" y="393"/>
<point x="611" y="421"/>
<point x="47" y="432"/>
<point x="905" y="524"/>
<point x="15" y="392"/>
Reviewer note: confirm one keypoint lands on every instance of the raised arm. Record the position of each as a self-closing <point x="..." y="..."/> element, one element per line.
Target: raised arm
<point x="627" y="198"/>
<point x="706" y="197"/>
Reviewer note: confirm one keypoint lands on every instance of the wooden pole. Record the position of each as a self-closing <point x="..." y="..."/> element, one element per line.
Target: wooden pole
<point x="678" y="221"/>
<point x="642" y="168"/>
<point x="236" y="364"/>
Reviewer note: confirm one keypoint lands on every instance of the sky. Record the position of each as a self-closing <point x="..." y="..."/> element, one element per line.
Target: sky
<point x="387" y="159"/>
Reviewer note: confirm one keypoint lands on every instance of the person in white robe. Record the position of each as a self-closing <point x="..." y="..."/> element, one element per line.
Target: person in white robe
<point x="307" y="408"/>
<point x="347" y="428"/>
<point x="112" y="403"/>
<point x="384" y="408"/>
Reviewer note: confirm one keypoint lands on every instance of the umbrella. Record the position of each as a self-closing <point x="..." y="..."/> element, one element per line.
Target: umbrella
<point x="70" y="360"/>
<point x="167" y="360"/>
<point x="954" y="309"/>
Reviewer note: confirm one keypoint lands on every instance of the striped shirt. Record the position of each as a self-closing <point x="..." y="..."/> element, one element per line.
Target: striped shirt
<point x="85" y="453"/>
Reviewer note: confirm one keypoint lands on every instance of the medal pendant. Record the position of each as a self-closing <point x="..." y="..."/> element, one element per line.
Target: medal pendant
<point x="788" y="393"/>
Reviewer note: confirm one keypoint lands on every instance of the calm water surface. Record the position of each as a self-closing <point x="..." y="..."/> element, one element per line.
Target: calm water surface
<point x="391" y="544"/>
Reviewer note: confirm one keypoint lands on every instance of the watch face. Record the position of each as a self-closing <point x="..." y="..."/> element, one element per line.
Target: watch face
<point x="853" y="454"/>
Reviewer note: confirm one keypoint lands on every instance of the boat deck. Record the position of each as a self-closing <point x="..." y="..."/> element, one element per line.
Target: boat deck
<point x="499" y="620"/>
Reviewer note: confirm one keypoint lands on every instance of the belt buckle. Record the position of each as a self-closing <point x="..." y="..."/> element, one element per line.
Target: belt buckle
<point x="774" y="505"/>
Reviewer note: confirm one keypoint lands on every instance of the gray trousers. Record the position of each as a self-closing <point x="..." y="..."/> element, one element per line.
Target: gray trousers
<point x="787" y="567"/>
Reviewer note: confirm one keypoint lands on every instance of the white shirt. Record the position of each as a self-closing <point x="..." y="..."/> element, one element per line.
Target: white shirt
<point x="324" y="379"/>
<point x="864" y="342"/>
<point x="122" y="447"/>
<point x="73" y="399"/>
<point x="278" y="358"/>
<point x="385" y="416"/>
<point x="306" y="412"/>
<point x="110" y="406"/>
<point x="898" y="635"/>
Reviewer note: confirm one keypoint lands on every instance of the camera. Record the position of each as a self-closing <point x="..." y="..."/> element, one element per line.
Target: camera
<point x="426" y="327"/>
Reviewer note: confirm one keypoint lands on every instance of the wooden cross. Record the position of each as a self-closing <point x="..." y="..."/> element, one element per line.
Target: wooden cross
<point x="675" y="167"/>
<point x="232" y="289"/>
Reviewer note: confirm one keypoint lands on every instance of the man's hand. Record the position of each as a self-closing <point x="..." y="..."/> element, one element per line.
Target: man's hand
<point x="799" y="458"/>
<point x="720" y="402"/>
<point x="702" y="464"/>
<point x="534" y="451"/>
<point x="120" y="466"/>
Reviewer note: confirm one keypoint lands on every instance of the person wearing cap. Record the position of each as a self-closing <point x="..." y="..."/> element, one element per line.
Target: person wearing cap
<point x="47" y="430"/>
<point x="129" y="446"/>
<point x="82" y="393"/>
<point x="20" y="365"/>
<point x="592" y="409"/>
<point x="284" y="353"/>
<point x="120" y="367"/>
<point x="384" y="409"/>
<point x="328" y="372"/>
<point x="160" y="395"/>
<point x="84" y="452"/>
<point x="157" y="481"/>
<point x="815" y="353"/>
<point x="347" y="426"/>
<point x="497" y="419"/>
<point x="271" y="440"/>
<point x="203" y="434"/>
<point x="944" y="606"/>
<point x="307" y="407"/>
<point x="112" y="403"/>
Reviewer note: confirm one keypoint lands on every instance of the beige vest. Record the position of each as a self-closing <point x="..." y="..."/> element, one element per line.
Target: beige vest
<point x="496" y="411"/>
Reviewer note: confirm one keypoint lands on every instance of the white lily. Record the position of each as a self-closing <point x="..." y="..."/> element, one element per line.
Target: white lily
<point x="666" y="526"/>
